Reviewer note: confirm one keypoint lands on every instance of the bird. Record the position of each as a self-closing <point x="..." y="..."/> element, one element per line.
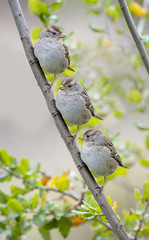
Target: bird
<point x="74" y="104"/>
<point x="51" y="52"/>
<point x="99" y="154"/>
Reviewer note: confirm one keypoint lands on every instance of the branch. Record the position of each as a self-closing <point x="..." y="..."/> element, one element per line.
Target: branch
<point x="69" y="193"/>
<point x="134" y="33"/>
<point x="61" y="125"/>
<point x="141" y="222"/>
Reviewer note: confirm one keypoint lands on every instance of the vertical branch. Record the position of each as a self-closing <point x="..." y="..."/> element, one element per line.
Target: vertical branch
<point x="134" y="33"/>
<point x="61" y="125"/>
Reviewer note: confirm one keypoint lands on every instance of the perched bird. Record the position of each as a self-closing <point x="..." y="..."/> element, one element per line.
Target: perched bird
<point x="99" y="153"/>
<point x="74" y="103"/>
<point x="51" y="52"/>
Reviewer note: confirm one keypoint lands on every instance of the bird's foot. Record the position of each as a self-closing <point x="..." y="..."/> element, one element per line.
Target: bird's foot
<point x="99" y="190"/>
<point x="32" y="61"/>
<point x="72" y="138"/>
<point x="54" y="113"/>
<point x="79" y="166"/>
<point x="48" y="85"/>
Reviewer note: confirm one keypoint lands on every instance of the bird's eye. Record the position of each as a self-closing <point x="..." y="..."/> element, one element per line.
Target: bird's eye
<point x="87" y="136"/>
<point x="54" y="33"/>
<point x="69" y="86"/>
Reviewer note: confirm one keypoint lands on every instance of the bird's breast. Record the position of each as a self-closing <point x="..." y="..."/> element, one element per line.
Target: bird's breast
<point x="51" y="56"/>
<point x="72" y="108"/>
<point x="98" y="160"/>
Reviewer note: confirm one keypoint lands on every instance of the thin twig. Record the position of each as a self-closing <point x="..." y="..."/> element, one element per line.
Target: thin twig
<point x="134" y="33"/>
<point x="69" y="193"/>
<point x="60" y="123"/>
<point x="141" y="222"/>
<point x="107" y="225"/>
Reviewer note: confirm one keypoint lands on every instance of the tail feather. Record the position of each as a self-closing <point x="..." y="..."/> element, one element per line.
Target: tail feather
<point x="98" y="117"/>
<point x="71" y="69"/>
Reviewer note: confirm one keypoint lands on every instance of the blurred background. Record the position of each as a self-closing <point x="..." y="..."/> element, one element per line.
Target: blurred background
<point x="26" y="127"/>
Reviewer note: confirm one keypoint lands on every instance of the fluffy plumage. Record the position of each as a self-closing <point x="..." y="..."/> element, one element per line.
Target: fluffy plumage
<point x="74" y="103"/>
<point x="51" y="52"/>
<point x="99" y="153"/>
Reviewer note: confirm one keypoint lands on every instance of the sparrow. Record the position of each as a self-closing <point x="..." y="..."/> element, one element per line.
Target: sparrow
<point x="51" y="52"/>
<point x="99" y="154"/>
<point x="74" y="103"/>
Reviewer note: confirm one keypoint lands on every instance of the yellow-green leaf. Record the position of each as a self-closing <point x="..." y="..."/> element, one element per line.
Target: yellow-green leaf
<point x="15" y="207"/>
<point x="117" y="113"/>
<point x="134" y="96"/>
<point x="35" y="34"/>
<point x="138" y="194"/>
<point x="147" y="141"/>
<point x="38" y="8"/>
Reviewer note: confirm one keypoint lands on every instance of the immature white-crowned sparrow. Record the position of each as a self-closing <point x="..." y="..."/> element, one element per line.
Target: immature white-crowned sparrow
<point x="99" y="153"/>
<point x="51" y="52"/>
<point x="74" y="103"/>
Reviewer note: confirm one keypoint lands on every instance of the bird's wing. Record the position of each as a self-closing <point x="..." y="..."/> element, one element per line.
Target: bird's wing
<point x="66" y="53"/>
<point x="113" y="152"/>
<point x="88" y="104"/>
<point x="68" y="57"/>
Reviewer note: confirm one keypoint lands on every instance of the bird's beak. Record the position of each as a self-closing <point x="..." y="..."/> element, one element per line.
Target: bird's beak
<point x="61" y="35"/>
<point x="81" y="138"/>
<point x="62" y="87"/>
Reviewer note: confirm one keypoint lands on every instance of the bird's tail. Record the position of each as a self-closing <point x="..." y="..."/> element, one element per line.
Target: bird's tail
<point x="71" y="69"/>
<point x="97" y="117"/>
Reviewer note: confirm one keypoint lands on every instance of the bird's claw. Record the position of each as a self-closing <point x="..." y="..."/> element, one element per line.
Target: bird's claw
<point x="99" y="190"/>
<point x="49" y="86"/>
<point x="72" y="138"/>
<point x="32" y="61"/>
<point x="54" y="113"/>
<point x="79" y="166"/>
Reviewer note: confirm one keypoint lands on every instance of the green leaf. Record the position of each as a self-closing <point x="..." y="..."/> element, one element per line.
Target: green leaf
<point x="134" y="96"/>
<point x="62" y="184"/>
<point x="33" y="201"/>
<point x="117" y="113"/>
<point x="89" y="207"/>
<point x="90" y="1"/>
<point x="16" y="190"/>
<point x="53" y="223"/>
<point x="38" y="8"/>
<point x="146" y="191"/>
<point x="64" y="225"/>
<point x="112" y="13"/>
<point x="44" y="233"/>
<point x="138" y="194"/>
<point x="142" y="126"/>
<point x="2" y="227"/>
<point x="95" y="28"/>
<point x="15" y="207"/>
<point x="5" y="158"/>
<point x="109" y="200"/>
<point x="6" y="178"/>
<point x="24" y="166"/>
<point x="57" y="5"/>
<point x="39" y="218"/>
<point x="147" y="141"/>
<point x="24" y="224"/>
<point x="144" y="162"/>
<point x="4" y="197"/>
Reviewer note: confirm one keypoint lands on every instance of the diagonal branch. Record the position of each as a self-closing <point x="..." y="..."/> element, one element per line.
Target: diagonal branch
<point x="134" y="33"/>
<point x="61" y="125"/>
